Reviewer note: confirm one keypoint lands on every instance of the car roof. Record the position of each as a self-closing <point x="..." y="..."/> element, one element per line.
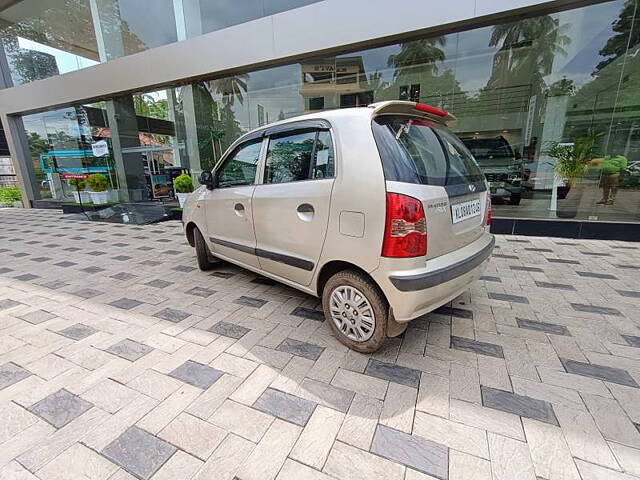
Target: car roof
<point x="378" y="108"/>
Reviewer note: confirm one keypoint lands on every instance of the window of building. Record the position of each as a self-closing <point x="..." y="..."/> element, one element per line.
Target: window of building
<point x="240" y="167"/>
<point x="316" y="103"/>
<point x="299" y="156"/>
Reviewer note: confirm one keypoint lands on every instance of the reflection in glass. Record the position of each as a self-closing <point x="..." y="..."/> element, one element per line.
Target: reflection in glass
<point x="517" y="89"/>
<point x="42" y="40"/>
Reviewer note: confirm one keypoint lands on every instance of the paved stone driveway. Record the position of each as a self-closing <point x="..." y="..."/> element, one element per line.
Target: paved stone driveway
<point x="120" y="360"/>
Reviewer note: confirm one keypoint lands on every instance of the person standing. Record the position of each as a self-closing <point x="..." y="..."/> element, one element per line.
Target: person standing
<point x="612" y="167"/>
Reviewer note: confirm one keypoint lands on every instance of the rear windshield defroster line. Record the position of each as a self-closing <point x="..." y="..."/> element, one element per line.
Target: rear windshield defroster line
<point x="415" y="150"/>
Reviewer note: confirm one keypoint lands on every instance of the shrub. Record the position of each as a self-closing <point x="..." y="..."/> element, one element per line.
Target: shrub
<point x="97" y="182"/>
<point x="10" y="194"/>
<point x="78" y="183"/>
<point x="183" y="184"/>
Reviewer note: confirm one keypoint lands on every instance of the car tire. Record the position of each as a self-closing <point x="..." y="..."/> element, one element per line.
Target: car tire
<point x="515" y="198"/>
<point x="203" y="255"/>
<point x="355" y="283"/>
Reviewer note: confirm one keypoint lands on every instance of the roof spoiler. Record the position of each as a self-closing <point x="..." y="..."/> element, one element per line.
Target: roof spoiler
<point x="412" y="108"/>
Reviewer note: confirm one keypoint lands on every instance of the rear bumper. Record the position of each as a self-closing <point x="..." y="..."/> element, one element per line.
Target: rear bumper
<point x="428" y="279"/>
<point x="414" y="293"/>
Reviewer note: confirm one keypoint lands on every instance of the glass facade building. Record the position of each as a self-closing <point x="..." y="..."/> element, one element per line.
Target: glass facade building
<point x="525" y="91"/>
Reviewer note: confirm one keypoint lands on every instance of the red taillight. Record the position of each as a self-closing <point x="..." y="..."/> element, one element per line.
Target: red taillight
<point x="432" y="110"/>
<point x="487" y="219"/>
<point x="405" y="232"/>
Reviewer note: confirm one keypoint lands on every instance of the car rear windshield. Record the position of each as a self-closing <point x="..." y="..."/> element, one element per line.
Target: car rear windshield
<point x="415" y="150"/>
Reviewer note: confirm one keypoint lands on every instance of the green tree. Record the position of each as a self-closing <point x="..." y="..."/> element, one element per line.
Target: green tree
<point x="627" y="35"/>
<point x="526" y="50"/>
<point x="37" y="144"/>
<point x="231" y="88"/>
<point x="425" y="52"/>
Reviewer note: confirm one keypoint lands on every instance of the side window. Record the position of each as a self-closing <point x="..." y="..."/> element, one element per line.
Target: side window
<point x="324" y="165"/>
<point x="240" y="167"/>
<point x="299" y="156"/>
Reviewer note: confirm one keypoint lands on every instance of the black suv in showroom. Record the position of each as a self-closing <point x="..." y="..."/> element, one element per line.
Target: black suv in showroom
<point x="502" y="167"/>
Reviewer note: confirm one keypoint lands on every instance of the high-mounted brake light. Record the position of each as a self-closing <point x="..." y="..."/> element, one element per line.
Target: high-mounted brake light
<point x="423" y="107"/>
<point x="405" y="233"/>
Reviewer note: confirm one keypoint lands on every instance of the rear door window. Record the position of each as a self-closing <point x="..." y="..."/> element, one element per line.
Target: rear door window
<point x="415" y="150"/>
<point x="296" y="156"/>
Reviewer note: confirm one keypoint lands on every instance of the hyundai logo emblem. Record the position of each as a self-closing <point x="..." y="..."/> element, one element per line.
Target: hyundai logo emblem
<point x="472" y="188"/>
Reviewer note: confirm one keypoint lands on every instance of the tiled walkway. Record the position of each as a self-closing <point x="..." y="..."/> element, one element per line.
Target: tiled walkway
<point x="120" y="360"/>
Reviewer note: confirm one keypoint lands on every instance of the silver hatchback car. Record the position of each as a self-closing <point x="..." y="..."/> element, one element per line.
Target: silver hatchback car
<point x="380" y="211"/>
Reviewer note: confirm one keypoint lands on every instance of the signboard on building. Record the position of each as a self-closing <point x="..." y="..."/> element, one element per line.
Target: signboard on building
<point x="70" y="176"/>
<point x="100" y="148"/>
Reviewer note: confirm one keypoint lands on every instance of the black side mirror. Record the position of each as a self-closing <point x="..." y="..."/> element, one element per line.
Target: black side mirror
<point x="206" y="178"/>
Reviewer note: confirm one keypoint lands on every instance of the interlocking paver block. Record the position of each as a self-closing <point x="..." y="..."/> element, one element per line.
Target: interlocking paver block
<point x="139" y="452"/>
<point x="632" y="340"/>
<point x="60" y="408"/>
<point x="543" y="326"/>
<point x="393" y="373"/>
<point x="285" y="406"/>
<point x="8" y="303"/>
<point x="250" y="301"/>
<point x="172" y="315"/>
<point x="78" y="331"/>
<point x="196" y="374"/>
<point x="518" y="404"/>
<point x="602" y="372"/>
<point x="483" y="348"/>
<point x="88" y="293"/>
<point x="581" y="307"/>
<point x="415" y="452"/>
<point x="129" y="349"/>
<point x="201" y="292"/>
<point x="11" y="373"/>
<point x="125" y="303"/>
<point x="229" y="330"/>
<point x="158" y="283"/>
<point x="301" y="349"/>
<point x="37" y="317"/>
<point x="505" y="297"/>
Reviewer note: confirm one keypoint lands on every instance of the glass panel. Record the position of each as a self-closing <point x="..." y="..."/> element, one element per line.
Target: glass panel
<point x="65" y="146"/>
<point x="240" y="168"/>
<point x="131" y="26"/>
<point x="289" y="158"/>
<point x="219" y="14"/>
<point x="518" y="89"/>
<point x="42" y="39"/>
<point x="324" y="164"/>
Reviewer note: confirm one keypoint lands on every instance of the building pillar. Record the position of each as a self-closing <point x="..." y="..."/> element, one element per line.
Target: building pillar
<point x="123" y="124"/>
<point x="196" y="124"/>
<point x="17" y="142"/>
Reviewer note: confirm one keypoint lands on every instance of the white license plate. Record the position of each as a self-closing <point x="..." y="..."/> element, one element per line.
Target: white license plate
<point x="464" y="210"/>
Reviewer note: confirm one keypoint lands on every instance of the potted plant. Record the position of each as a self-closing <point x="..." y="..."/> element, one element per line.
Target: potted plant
<point x="79" y="193"/>
<point x="10" y="196"/>
<point x="572" y="160"/>
<point x="98" y="185"/>
<point x="183" y="185"/>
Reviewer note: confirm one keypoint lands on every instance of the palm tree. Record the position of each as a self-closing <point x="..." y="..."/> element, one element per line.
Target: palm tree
<point x="425" y="52"/>
<point x="231" y="88"/>
<point x="528" y="47"/>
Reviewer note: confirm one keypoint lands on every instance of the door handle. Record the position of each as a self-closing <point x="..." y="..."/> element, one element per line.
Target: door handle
<point x="238" y="207"/>
<point x="305" y="208"/>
